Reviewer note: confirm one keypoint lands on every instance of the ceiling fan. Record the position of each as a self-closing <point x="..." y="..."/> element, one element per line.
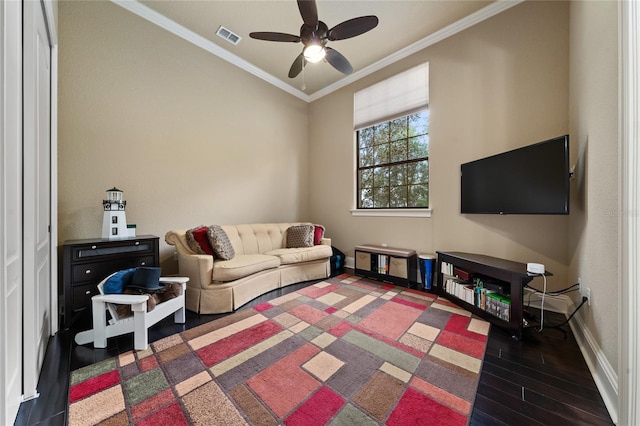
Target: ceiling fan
<point x="314" y="35"/>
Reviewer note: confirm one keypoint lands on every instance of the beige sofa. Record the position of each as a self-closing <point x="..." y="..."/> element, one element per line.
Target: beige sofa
<point x="261" y="263"/>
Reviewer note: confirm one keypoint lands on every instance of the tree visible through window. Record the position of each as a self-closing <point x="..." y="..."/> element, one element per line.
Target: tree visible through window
<point x="393" y="163"/>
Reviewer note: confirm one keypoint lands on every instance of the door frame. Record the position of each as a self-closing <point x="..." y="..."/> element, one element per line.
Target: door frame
<point x="629" y="221"/>
<point x="49" y="16"/>
<point x="10" y="217"/>
<point x="30" y="376"/>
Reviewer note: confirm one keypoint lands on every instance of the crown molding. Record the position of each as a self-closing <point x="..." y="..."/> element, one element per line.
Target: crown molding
<point x="137" y="8"/>
<point x="448" y="31"/>
<point x="173" y="27"/>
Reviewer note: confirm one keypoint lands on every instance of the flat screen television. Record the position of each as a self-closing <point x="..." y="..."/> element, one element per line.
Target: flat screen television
<point x="530" y="180"/>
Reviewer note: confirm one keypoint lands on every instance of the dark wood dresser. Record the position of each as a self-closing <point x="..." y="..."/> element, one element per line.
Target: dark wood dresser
<point x="87" y="262"/>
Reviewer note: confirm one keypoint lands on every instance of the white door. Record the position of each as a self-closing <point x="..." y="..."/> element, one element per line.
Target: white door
<point x="10" y="209"/>
<point x="36" y="193"/>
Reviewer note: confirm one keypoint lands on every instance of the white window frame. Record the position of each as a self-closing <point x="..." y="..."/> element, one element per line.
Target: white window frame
<point x="402" y="94"/>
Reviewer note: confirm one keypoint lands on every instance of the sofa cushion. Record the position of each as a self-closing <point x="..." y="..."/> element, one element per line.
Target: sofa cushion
<point x="198" y="241"/>
<point x="301" y="254"/>
<point x="318" y="233"/>
<point x="220" y="243"/>
<point x="243" y="265"/>
<point x="300" y="236"/>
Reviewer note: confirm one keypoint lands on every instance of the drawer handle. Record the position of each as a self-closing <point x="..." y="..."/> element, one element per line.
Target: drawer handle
<point x="143" y="263"/>
<point x="87" y="292"/>
<point x="137" y="243"/>
<point x="93" y="247"/>
<point x="88" y="271"/>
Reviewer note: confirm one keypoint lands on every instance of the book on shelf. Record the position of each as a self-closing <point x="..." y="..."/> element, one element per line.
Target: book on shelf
<point x="383" y="264"/>
<point x="462" y="274"/>
<point x="475" y="294"/>
<point x="460" y="289"/>
<point x="499" y="305"/>
<point x="446" y="268"/>
<point x="453" y="271"/>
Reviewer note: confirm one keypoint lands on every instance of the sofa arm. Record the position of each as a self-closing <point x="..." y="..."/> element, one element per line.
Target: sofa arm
<point x="325" y="241"/>
<point x="198" y="267"/>
<point x="177" y="238"/>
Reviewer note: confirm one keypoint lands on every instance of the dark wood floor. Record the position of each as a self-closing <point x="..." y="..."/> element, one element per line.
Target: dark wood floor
<point x="541" y="379"/>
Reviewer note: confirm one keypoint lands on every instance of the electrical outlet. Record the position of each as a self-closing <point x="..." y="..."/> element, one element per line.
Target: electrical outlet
<point x="580" y="286"/>
<point x="588" y="295"/>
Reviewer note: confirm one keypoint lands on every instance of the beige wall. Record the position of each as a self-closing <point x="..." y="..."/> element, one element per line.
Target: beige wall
<point x="499" y="85"/>
<point x="189" y="138"/>
<point x="593" y="240"/>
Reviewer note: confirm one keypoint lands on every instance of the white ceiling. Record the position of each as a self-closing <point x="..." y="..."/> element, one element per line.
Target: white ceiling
<point x="405" y="27"/>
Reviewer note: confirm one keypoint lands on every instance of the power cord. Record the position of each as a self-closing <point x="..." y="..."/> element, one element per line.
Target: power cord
<point x="584" y="300"/>
<point x="557" y="292"/>
<point x="552" y="293"/>
<point x="565" y="322"/>
<point x="544" y="292"/>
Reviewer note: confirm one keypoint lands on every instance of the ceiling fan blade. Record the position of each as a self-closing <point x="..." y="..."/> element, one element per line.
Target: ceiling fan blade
<point x="353" y="27"/>
<point x="297" y="66"/>
<point x="338" y="61"/>
<point x="309" y="12"/>
<point x="270" y="36"/>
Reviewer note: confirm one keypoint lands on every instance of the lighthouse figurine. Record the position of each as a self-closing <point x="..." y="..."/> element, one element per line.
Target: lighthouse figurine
<point x="114" y="221"/>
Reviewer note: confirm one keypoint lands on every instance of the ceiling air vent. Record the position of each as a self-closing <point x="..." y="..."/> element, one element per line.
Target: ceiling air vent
<point x="228" y="35"/>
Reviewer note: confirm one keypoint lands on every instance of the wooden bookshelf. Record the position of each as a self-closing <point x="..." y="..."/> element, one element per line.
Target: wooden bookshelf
<point x="512" y="274"/>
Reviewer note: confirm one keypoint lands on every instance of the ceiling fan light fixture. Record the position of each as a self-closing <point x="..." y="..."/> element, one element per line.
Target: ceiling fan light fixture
<point x="314" y="52"/>
<point x="314" y="35"/>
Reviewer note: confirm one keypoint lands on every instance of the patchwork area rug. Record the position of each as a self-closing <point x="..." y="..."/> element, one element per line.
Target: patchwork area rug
<point x="345" y="351"/>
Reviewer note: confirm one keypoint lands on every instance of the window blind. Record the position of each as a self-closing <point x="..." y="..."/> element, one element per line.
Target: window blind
<point x="402" y="94"/>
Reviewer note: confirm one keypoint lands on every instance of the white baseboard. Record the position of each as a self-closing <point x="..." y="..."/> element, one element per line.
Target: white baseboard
<point x="557" y="304"/>
<point x="350" y="262"/>
<point x="603" y="374"/>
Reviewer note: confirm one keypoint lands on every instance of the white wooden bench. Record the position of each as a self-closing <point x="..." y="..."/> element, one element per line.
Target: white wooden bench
<point x="138" y="323"/>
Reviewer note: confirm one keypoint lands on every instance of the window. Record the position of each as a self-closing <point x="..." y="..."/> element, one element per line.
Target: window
<point x="393" y="163"/>
<point x="391" y="120"/>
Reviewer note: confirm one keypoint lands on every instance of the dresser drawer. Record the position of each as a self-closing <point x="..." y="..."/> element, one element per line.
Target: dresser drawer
<point x="363" y="261"/>
<point x="119" y="249"/>
<point x="96" y="272"/>
<point x="81" y="297"/>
